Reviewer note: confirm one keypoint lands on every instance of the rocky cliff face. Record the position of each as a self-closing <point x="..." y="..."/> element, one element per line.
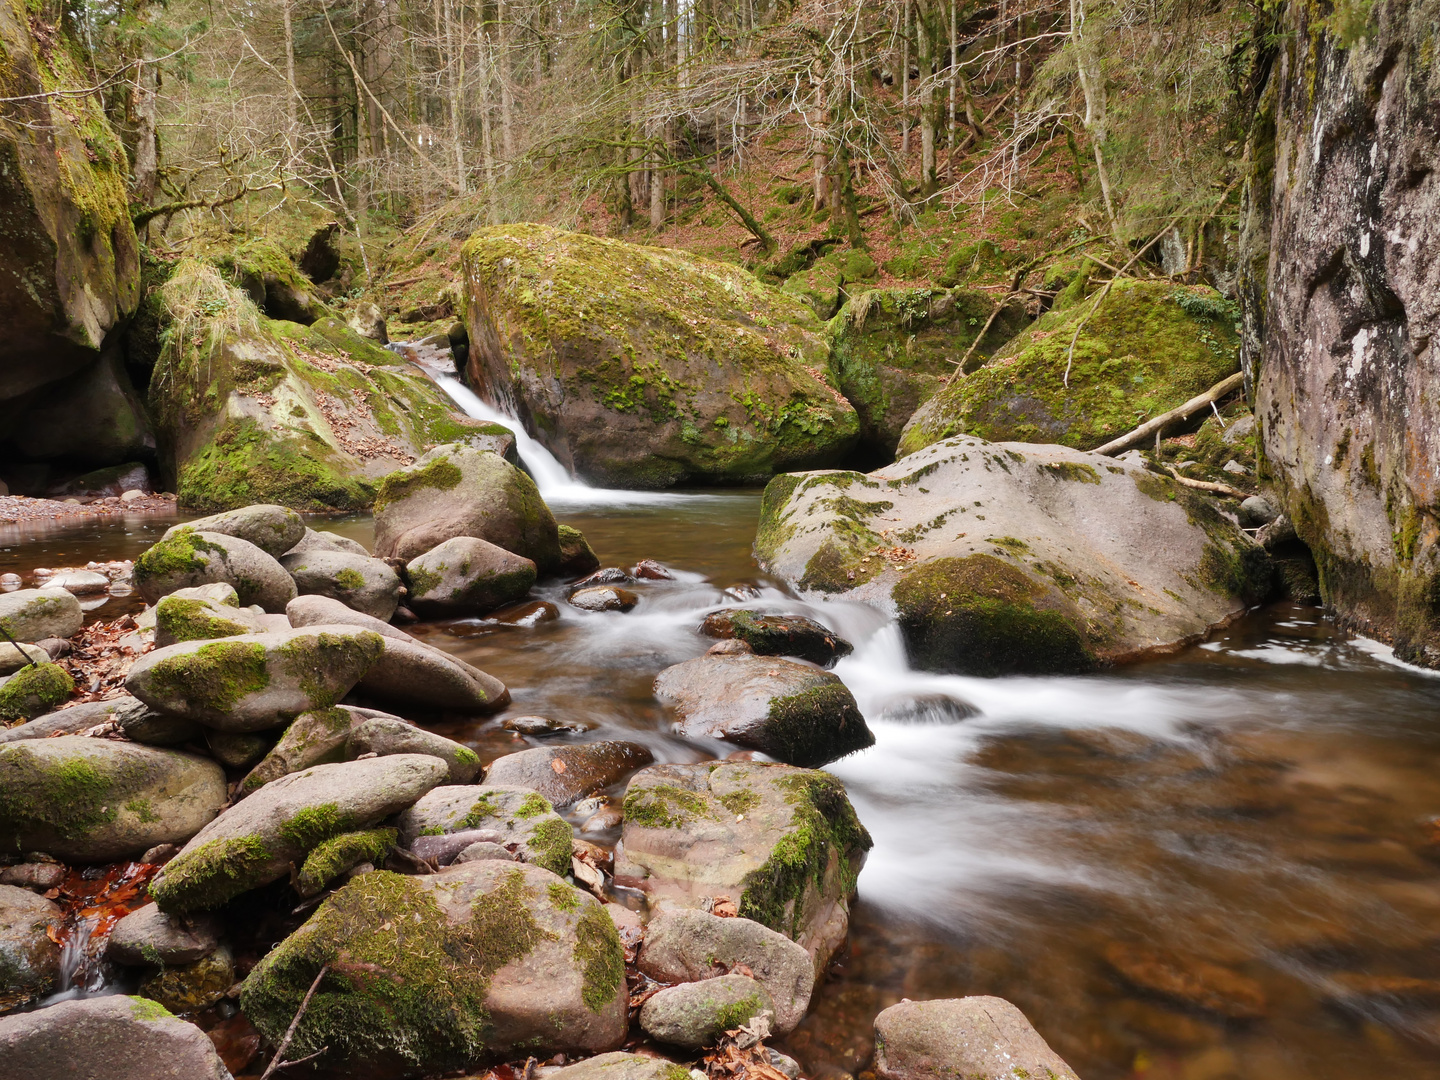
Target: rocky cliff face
<point x="69" y="260"/>
<point x="1348" y="389"/>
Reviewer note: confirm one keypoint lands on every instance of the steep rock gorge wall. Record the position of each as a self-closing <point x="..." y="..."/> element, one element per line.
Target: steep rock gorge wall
<point x="1348" y="381"/>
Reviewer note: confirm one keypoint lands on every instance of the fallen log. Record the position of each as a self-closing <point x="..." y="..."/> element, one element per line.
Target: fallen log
<point x="1147" y="431"/>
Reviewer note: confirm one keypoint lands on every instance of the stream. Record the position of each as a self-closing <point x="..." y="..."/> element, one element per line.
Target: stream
<point x="1262" y="807"/>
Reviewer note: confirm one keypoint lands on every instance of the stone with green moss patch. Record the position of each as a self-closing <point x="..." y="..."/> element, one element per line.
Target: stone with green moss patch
<point x="341" y="854"/>
<point x="182" y="618"/>
<point x="467" y="575"/>
<point x="522" y="817"/>
<point x="33" y="691"/>
<point x="697" y="1014"/>
<point x="440" y="973"/>
<point x="35" y="614"/>
<point x="188" y="559"/>
<point x="358" y="581"/>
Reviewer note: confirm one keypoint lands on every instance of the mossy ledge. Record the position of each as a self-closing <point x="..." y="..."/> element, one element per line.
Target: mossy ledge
<point x="34" y="690"/>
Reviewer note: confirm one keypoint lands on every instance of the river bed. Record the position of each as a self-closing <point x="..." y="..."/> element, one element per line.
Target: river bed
<point x="1264" y="803"/>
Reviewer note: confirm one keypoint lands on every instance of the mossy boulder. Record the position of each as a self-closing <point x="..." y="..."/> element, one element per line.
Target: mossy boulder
<point x="969" y="1036"/>
<point x="517" y="815"/>
<point x="465" y="576"/>
<point x="192" y="615"/>
<point x="893" y="349"/>
<point x="646" y="367"/>
<point x="70" y="272"/>
<point x="577" y="557"/>
<point x="267" y="274"/>
<point x="458" y="490"/>
<point x="252" y="409"/>
<point x="482" y="963"/>
<point x="1142" y="350"/>
<point x="98" y="800"/>
<point x="255" y="682"/>
<point x="313" y="738"/>
<point x="273" y="529"/>
<point x="783" y="843"/>
<point x="697" y="1014"/>
<point x="825" y="284"/>
<point x="358" y="581"/>
<point x="36" y="614"/>
<point x="256" y="841"/>
<point x="188" y="988"/>
<point x="34" y="691"/>
<point x="778" y="635"/>
<point x="190" y="559"/>
<point x="622" y="1066"/>
<point x="390" y="735"/>
<point x="149" y="936"/>
<point x="1000" y="558"/>
<point x="790" y="711"/>
<point x="566" y="774"/>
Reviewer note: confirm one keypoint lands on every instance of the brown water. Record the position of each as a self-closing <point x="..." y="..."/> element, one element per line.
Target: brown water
<point x="1263" y="804"/>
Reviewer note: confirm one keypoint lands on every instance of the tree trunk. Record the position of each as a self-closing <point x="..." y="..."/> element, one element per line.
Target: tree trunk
<point x="292" y="103"/>
<point x="454" y="74"/>
<point x="147" y="139"/>
<point x="926" y="45"/>
<point x="503" y="71"/>
<point x="954" y="78"/>
<point x="1092" y="84"/>
<point x="905" y="85"/>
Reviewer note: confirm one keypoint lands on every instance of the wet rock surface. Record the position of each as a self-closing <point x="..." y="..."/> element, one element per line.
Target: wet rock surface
<point x="566" y="774"/>
<point x="466" y="575"/>
<point x="778" y="635"/>
<point x="603" y="598"/>
<point x="449" y="819"/>
<point x="29" y="960"/>
<point x="973" y="1036"/>
<point x="148" y="936"/>
<point x="697" y="1014"/>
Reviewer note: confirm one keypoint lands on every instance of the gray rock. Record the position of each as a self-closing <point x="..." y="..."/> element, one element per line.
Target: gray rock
<point x="255" y="842"/>
<point x="603" y="598"/>
<point x="189" y="988"/>
<point x="255" y="681"/>
<point x="620" y="1066"/>
<point x="457" y="490"/>
<point x="522" y="818"/>
<point x="408" y="671"/>
<point x="37" y="876"/>
<point x="778" y="635"/>
<point x="686" y="945"/>
<point x="983" y="1037"/>
<point x="313" y="738"/>
<point x="236" y="749"/>
<point x="583" y="770"/>
<point x="273" y="529"/>
<point x="1234" y="468"/>
<point x="484" y="849"/>
<point x="29" y="960"/>
<point x="784" y="844"/>
<point x="33" y="614"/>
<point x="509" y="960"/>
<point x="72" y="719"/>
<point x="98" y="800"/>
<point x="80" y="582"/>
<point x="192" y="615"/>
<point x="443" y="848"/>
<point x="327" y="541"/>
<point x="576" y="555"/>
<point x="189" y="558"/>
<point x="466" y="575"/>
<point x="117" y="1038"/>
<point x="357" y="581"/>
<point x="1258" y="510"/>
<point x="142" y="724"/>
<point x="1017" y="557"/>
<point x="15" y="657"/>
<point x="540" y="725"/>
<point x="147" y="936"/>
<point x="791" y="711"/>
<point x="391" y="735"/>
<point x="695" y="1015"/>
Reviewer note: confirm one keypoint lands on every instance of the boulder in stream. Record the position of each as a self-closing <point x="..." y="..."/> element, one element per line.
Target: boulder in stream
<point x="1009" y="557"/>
<point x="36" y="614"/>
<point x="255" y="682"/>
<point x="149" y="936"/>
<point x="327" y="541"/>
<point x="983" y="1037"/>
<point x="203" y="614"/>
<point x="778" y="635"/>
<point x="566" y="774"/>
<point x="358" y="581"/>
<point x="793" y="712"/>
<point x="273" y="529"/>
<point x="696" y="1014"/>
<point x="643" y="367"/>
<point x="256" y="841"/>
<point x="189" y="558"/>
<point x="440" y="973"/>
<point x="517" y="817"/>
<point x="29" y="960"/>
<point x="458" y="490"/>
<point x="577" y="557"/>
<point x="783" y="844"/>
<point x="465" y="576"/>
<point x="98" y="800"/>
<point x="390" y="735"/>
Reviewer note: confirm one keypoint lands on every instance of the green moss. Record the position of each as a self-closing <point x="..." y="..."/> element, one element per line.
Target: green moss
<point x="315" y="661"/>
<point x="313" y="824"/>
<point x="35" y="690"/>
<point x="70" y="797"/>
<point x="144" y="810"/>
<point x="664" y="806"/>
<point x="564" y="897"/>
<point x="465" y="756"/>
<point x="740" y="802"/>
<point x="1078" y="472"/>
<point x="823" y="844"/>
<point x="982" y="616"/>
<point x="423" y="582"/>
<point x="737" y="1014"/>
<point x="149" y="1012"/>
<point x="213" y="678"/>
<point x="533" y="805"/>
<point x="601" y="957"/>
<point x="809" y="728"/>
<point x="483" y="809"/>
<point x="211" y="874"/>
<point x="350" y="579"/>
<point x="339" y="854"/>
<point x="175" y="557"/>
<point x="548" y="845"/>
<point x="441" y="474"/>
<point x="192" y="620"/>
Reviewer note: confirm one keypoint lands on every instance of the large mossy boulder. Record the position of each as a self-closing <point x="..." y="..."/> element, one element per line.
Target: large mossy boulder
<point x="783" y="843"/>
<point x="486" y="962"/>
<point x="1008" y="557"/>
<point x="458" y="490"/>
<point x="892" y="349"/>
<point x="70" y="268"/>
<point x="254" y="409"/>
<point x="1143" y="349"/>
<point x="645" y="367"/>
<point x="190" y="559"/>
<point x="98" y="800"/>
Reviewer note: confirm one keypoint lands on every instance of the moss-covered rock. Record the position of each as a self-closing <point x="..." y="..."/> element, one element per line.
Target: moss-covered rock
<point x="29" y="960"/>
<point x="267" y="274"/>
<point x="1009" y="557"/>
<point x="778" y="635"/>
<point x="466" y="575"/>
<point x="577" y="557"/>
<point x="390" y="735"/>
<point x="1146" y="348"/>
<point x="252" y="409"/>
<point x="458" y="490"/>
<point x="341" y="854"/>
<point x="313" y="738"/>
<point x="447" y="972"/>
<point x="368" y="585"/>
<point x="97" y="800"/>
<point x="256" y="841"/>
<point x="892" y="349"/>
<point x="200" y="618"/>
<point x="33" y="691"/>
<point x="35" y="614"/>
<point x="645" y="367"/>
<point x="696" y="1014"/>
<point x="188" y="988"/>
<point x="784" y="843"/>
<point x="70" y="270"/>
<point x="187" y="559"/>
<point x="273" y="529"/>
<point x="519" y="815"/>
<point x="255" y="682"/>
<point x="826" y="283"/>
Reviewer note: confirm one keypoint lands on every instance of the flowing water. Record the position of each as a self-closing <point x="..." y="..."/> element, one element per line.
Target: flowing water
<point x="1126" y="856"/>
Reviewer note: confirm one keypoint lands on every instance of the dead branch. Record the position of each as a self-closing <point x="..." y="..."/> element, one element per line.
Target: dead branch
<point x="1152" y="427"/>
<point x="278" y="1061"/>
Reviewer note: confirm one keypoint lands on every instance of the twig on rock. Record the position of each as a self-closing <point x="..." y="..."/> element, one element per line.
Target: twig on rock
<point x="278" y="1061"/>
